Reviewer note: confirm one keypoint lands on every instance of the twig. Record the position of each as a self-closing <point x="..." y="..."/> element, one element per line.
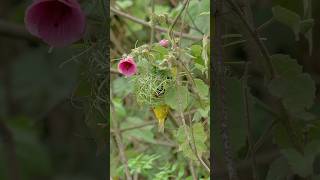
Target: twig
<point x="197" y="154"/>
<point x="16" y="30"/>
<point x="10" y="150"/>
<point x="248" y="119"/>
<point x="264" y="51"/>
<point x="136" y="176"/>
<point x="157" y="142"/>
<point x="171" y="33"/>
<point x="118" y="140"/>
<point x="116" y="42"/>
<point x="158" y="28"/>
<point x="173" y="120"/>
<point x="137" y="127"/>
<point x="114" y="71"/>
<point x="264" y="25"/>
<point x="220" y="96"/>
<point x="121" y="153"/>
<point x="265" y="134"/>
<point x="152" y="22"/>
<point x="194" y="176"/>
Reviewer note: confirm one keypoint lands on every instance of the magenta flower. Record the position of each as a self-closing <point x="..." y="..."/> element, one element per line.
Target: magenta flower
<point x="57" y="22"/>
<point x="164" y="43"/>
<point x="127" y="66"/>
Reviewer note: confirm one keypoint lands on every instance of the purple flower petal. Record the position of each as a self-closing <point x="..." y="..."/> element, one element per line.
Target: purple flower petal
<point x="127" y="66"/>
<point x="57" y="22"/>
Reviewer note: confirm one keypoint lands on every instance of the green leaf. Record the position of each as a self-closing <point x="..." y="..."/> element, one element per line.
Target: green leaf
<point x="278" y="170"/>
<point x="297" y="92"/>
<point x="199" y="136"/>
<point x="118" y="107"/>
<point x="159" y="52"/>
<point x="180" y="135"/>
<point x="144" y="133"/>
<point x="177" y="98"/>
<point x="196" y="117"/>
<point x="122" y="86"/>
<point x="285" y="65"/>
<point x="201" y="21"/>
<point x="197" y="55"/>
<point x="196" y="50"/>
<point x="306" y="25"/>
<point x="202" y="88"/>
<point x="280" y="136"/>
<point x="298" y="164"/>
<point x="288" y="18"/>
<point x="296" y="89"/>
<point x="187" y="151"/>
<point x="159" y="9"/>
<point x="199" y="133"/>
<point x="204" y="112"/>
<point x="124" y="4"/>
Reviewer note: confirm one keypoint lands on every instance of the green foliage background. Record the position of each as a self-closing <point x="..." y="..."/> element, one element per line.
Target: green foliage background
<point x="273" y="121"/>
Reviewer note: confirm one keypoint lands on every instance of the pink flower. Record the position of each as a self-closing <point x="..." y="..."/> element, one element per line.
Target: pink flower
<point x="127" y="66"/>
<point x="57" y="22"/>
<point x="164" y="43"/>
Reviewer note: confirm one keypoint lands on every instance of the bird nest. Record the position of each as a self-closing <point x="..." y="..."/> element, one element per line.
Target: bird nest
<point x="150" y="88"/>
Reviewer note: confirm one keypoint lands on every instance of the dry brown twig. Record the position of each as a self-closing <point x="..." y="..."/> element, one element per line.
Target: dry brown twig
<point x="157" y="28"/>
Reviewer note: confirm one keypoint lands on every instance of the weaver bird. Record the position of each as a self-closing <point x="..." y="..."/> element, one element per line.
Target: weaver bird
<point x="161" y="113"/>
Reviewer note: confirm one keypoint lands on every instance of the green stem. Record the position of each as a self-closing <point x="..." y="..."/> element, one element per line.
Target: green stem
<point x="152" y="22"/>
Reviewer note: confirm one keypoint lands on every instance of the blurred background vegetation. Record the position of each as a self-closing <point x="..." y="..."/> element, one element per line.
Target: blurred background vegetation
<point x="46" y="129"/>
<point x="261" y="144"/>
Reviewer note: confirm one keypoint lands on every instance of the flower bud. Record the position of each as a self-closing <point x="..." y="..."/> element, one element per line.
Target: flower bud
<point x="164" y="43"/>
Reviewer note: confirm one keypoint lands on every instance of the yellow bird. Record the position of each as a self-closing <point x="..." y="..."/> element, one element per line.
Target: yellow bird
<point x="161" y="113"/>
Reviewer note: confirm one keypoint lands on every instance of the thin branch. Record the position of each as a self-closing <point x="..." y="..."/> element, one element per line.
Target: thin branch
<point x="137" y="127"/>
<point x="171" y="33"/>
<point x="153" y="23"/>
<point x="114" y="71"/>
<point x="191" y="167"/>
<point x="264" y="135"/>
<point x="116" y="42"/>
<point x="157" y="142"/>
<point x="220" y="96"/>
<point x="157" y="28"/>
<point x="264" y="25"/>
<point x="264" y="51"/>
<point x="248" y="119"/>
<point x="121" y="153"/>
<point x="118" y="140"/>
<point x="16" y="31"/>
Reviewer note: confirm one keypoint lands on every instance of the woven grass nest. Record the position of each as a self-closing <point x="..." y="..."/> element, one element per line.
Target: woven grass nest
<point x="151" y="87"/>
